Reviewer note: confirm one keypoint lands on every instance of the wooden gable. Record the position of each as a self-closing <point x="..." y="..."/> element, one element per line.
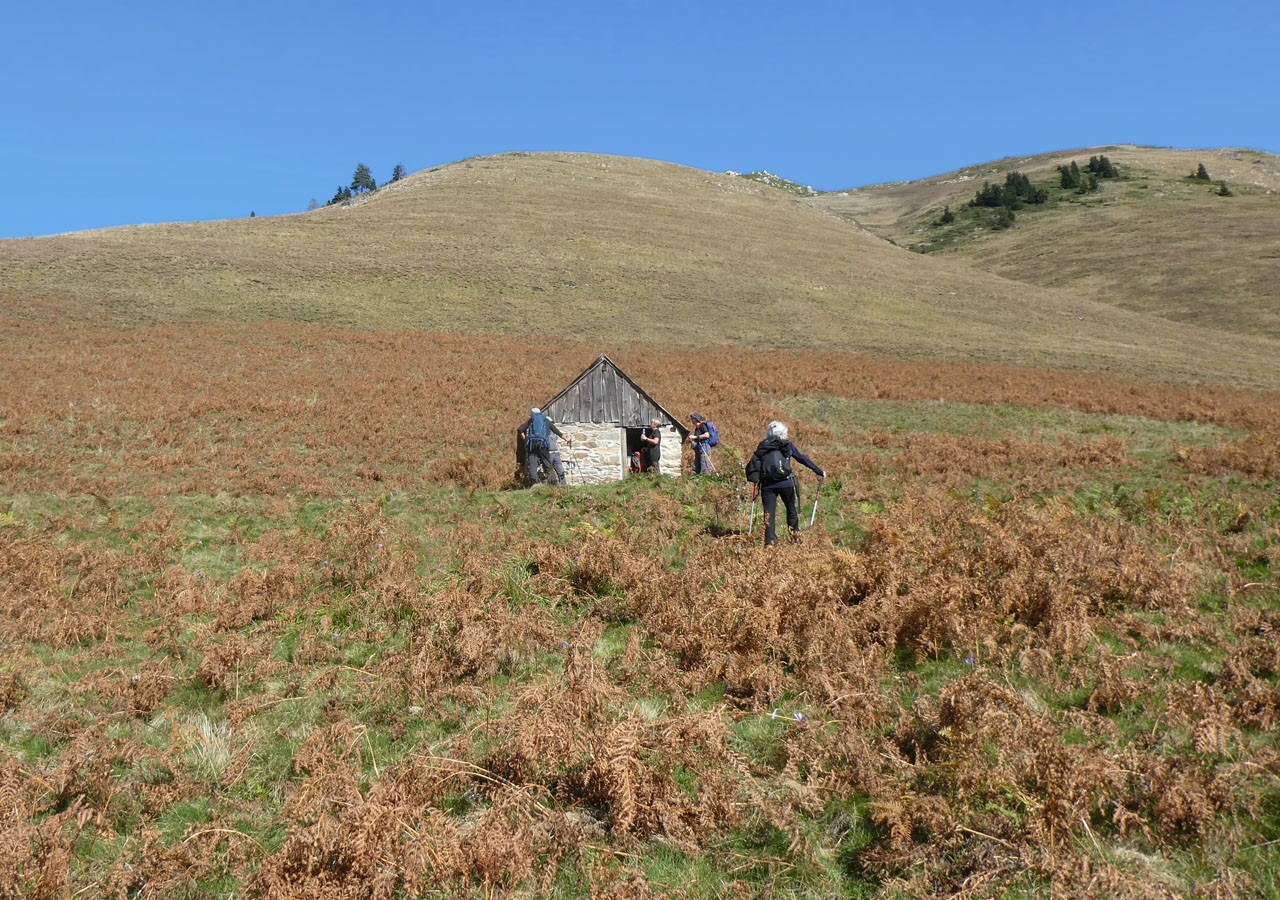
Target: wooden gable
<point x="606" y="395"/>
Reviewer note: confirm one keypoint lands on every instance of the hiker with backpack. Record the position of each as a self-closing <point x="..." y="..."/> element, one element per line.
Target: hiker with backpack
<point x="769" y="470"/>
<point x="704" y="437"/>
<point x="537" y="432"/>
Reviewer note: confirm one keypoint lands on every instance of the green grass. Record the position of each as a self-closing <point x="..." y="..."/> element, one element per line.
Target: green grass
<point x="759" y="737"/>
<point x="179" y="818"/>
<point x="1145" y="437"/>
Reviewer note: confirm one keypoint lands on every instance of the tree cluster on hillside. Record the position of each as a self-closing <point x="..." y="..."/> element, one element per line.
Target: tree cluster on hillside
<point x="1102" y="167"/>
<point x="1016" y="192"/>
<point x="1202" y="174"/>
<point x="362" y="182"/>
<point x="1084" y="181"/>
<point x="1073" y="179"/>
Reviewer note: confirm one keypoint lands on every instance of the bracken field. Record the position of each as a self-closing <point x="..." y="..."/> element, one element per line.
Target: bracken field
<point x="276" y="622"/>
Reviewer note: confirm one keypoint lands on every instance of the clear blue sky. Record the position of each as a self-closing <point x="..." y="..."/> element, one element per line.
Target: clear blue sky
<point x="135" y="112"/>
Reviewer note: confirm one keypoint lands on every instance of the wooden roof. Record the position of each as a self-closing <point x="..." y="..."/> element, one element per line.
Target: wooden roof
<point x="604" y="394"/>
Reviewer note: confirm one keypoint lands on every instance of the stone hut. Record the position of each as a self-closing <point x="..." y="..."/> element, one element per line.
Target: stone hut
<point x="604" y="412"/>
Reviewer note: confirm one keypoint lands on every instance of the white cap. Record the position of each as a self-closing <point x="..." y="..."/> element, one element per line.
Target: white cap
<point x="534" y="410"/>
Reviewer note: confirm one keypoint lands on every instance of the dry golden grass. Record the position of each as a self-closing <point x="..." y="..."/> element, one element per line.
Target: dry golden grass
<point x="600" y="249"/>
<point x="1154" y="242"/>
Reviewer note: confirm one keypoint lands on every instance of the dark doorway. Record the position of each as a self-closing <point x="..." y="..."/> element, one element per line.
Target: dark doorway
<point x="633" y="446"/>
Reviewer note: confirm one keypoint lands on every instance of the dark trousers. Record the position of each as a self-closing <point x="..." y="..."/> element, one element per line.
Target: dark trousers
<point x="649" y="460"/>
<point x="769" y="494"/>
<point x="541" y="453"/>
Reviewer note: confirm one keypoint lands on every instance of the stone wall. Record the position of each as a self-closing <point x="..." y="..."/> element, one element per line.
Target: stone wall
<point x="597" y="454"/>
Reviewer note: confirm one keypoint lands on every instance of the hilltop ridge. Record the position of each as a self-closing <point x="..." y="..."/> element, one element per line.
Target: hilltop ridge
<point x="603" y="247"/>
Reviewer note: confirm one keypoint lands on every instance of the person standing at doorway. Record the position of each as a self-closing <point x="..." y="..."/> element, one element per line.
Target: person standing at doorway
<point x="651" y="448"/>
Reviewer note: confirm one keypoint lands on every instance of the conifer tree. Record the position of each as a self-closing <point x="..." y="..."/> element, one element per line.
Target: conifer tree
<point x="1016" y="190"/>
<point x="1102" y="167"/>
<point x="398" y="172"/>
<point x="362" y="180"/>
<point x="991" y="195"/>
<point x="1023" y="190"/>
<point x="1019" y="185"/>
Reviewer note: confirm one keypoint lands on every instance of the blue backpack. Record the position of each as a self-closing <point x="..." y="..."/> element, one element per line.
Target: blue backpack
<point x="713" y="435"/>
<point x="538" y="432"/>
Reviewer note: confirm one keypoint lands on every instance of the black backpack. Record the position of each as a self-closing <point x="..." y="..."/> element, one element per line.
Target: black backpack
<point x="775" y="466"/>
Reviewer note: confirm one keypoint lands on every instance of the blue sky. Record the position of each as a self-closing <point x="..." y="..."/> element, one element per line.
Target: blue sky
<point x="136" y="112"/>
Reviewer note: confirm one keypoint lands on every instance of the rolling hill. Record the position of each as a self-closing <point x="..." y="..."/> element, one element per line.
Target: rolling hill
<point x="279" y="619"/>
<point x="594" y="248"/>
<point x="1152" y="241"/>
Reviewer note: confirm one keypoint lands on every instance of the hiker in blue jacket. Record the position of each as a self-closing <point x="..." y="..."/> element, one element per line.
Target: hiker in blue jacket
<point x="769" y="469"/>
<point x="704" y="437"/>
<point x="537" y="433"/>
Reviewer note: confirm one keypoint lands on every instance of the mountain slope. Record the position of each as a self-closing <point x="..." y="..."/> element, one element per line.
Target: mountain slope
<point x="1153" y="241"/>
<point x="600" y="248"/>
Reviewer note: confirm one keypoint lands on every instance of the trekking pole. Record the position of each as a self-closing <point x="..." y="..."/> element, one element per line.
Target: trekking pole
<point x="570" y="464"/>
<point x="751" y="523"/>
<point x="814" y="515"/>
<point x="577" y="464"/>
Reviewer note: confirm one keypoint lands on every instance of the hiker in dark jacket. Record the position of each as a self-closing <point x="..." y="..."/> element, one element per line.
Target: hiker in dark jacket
<point x="769" y="469"/>
<point x="536" y="433"/>
<point x="651" y="452"/>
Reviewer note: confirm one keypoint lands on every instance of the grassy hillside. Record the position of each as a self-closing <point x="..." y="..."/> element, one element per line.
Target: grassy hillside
<point x="276" y="621"/>
<point x="600" y="248"/>
<point x="274" y="625"/>
<point x="1152" y="241"/>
